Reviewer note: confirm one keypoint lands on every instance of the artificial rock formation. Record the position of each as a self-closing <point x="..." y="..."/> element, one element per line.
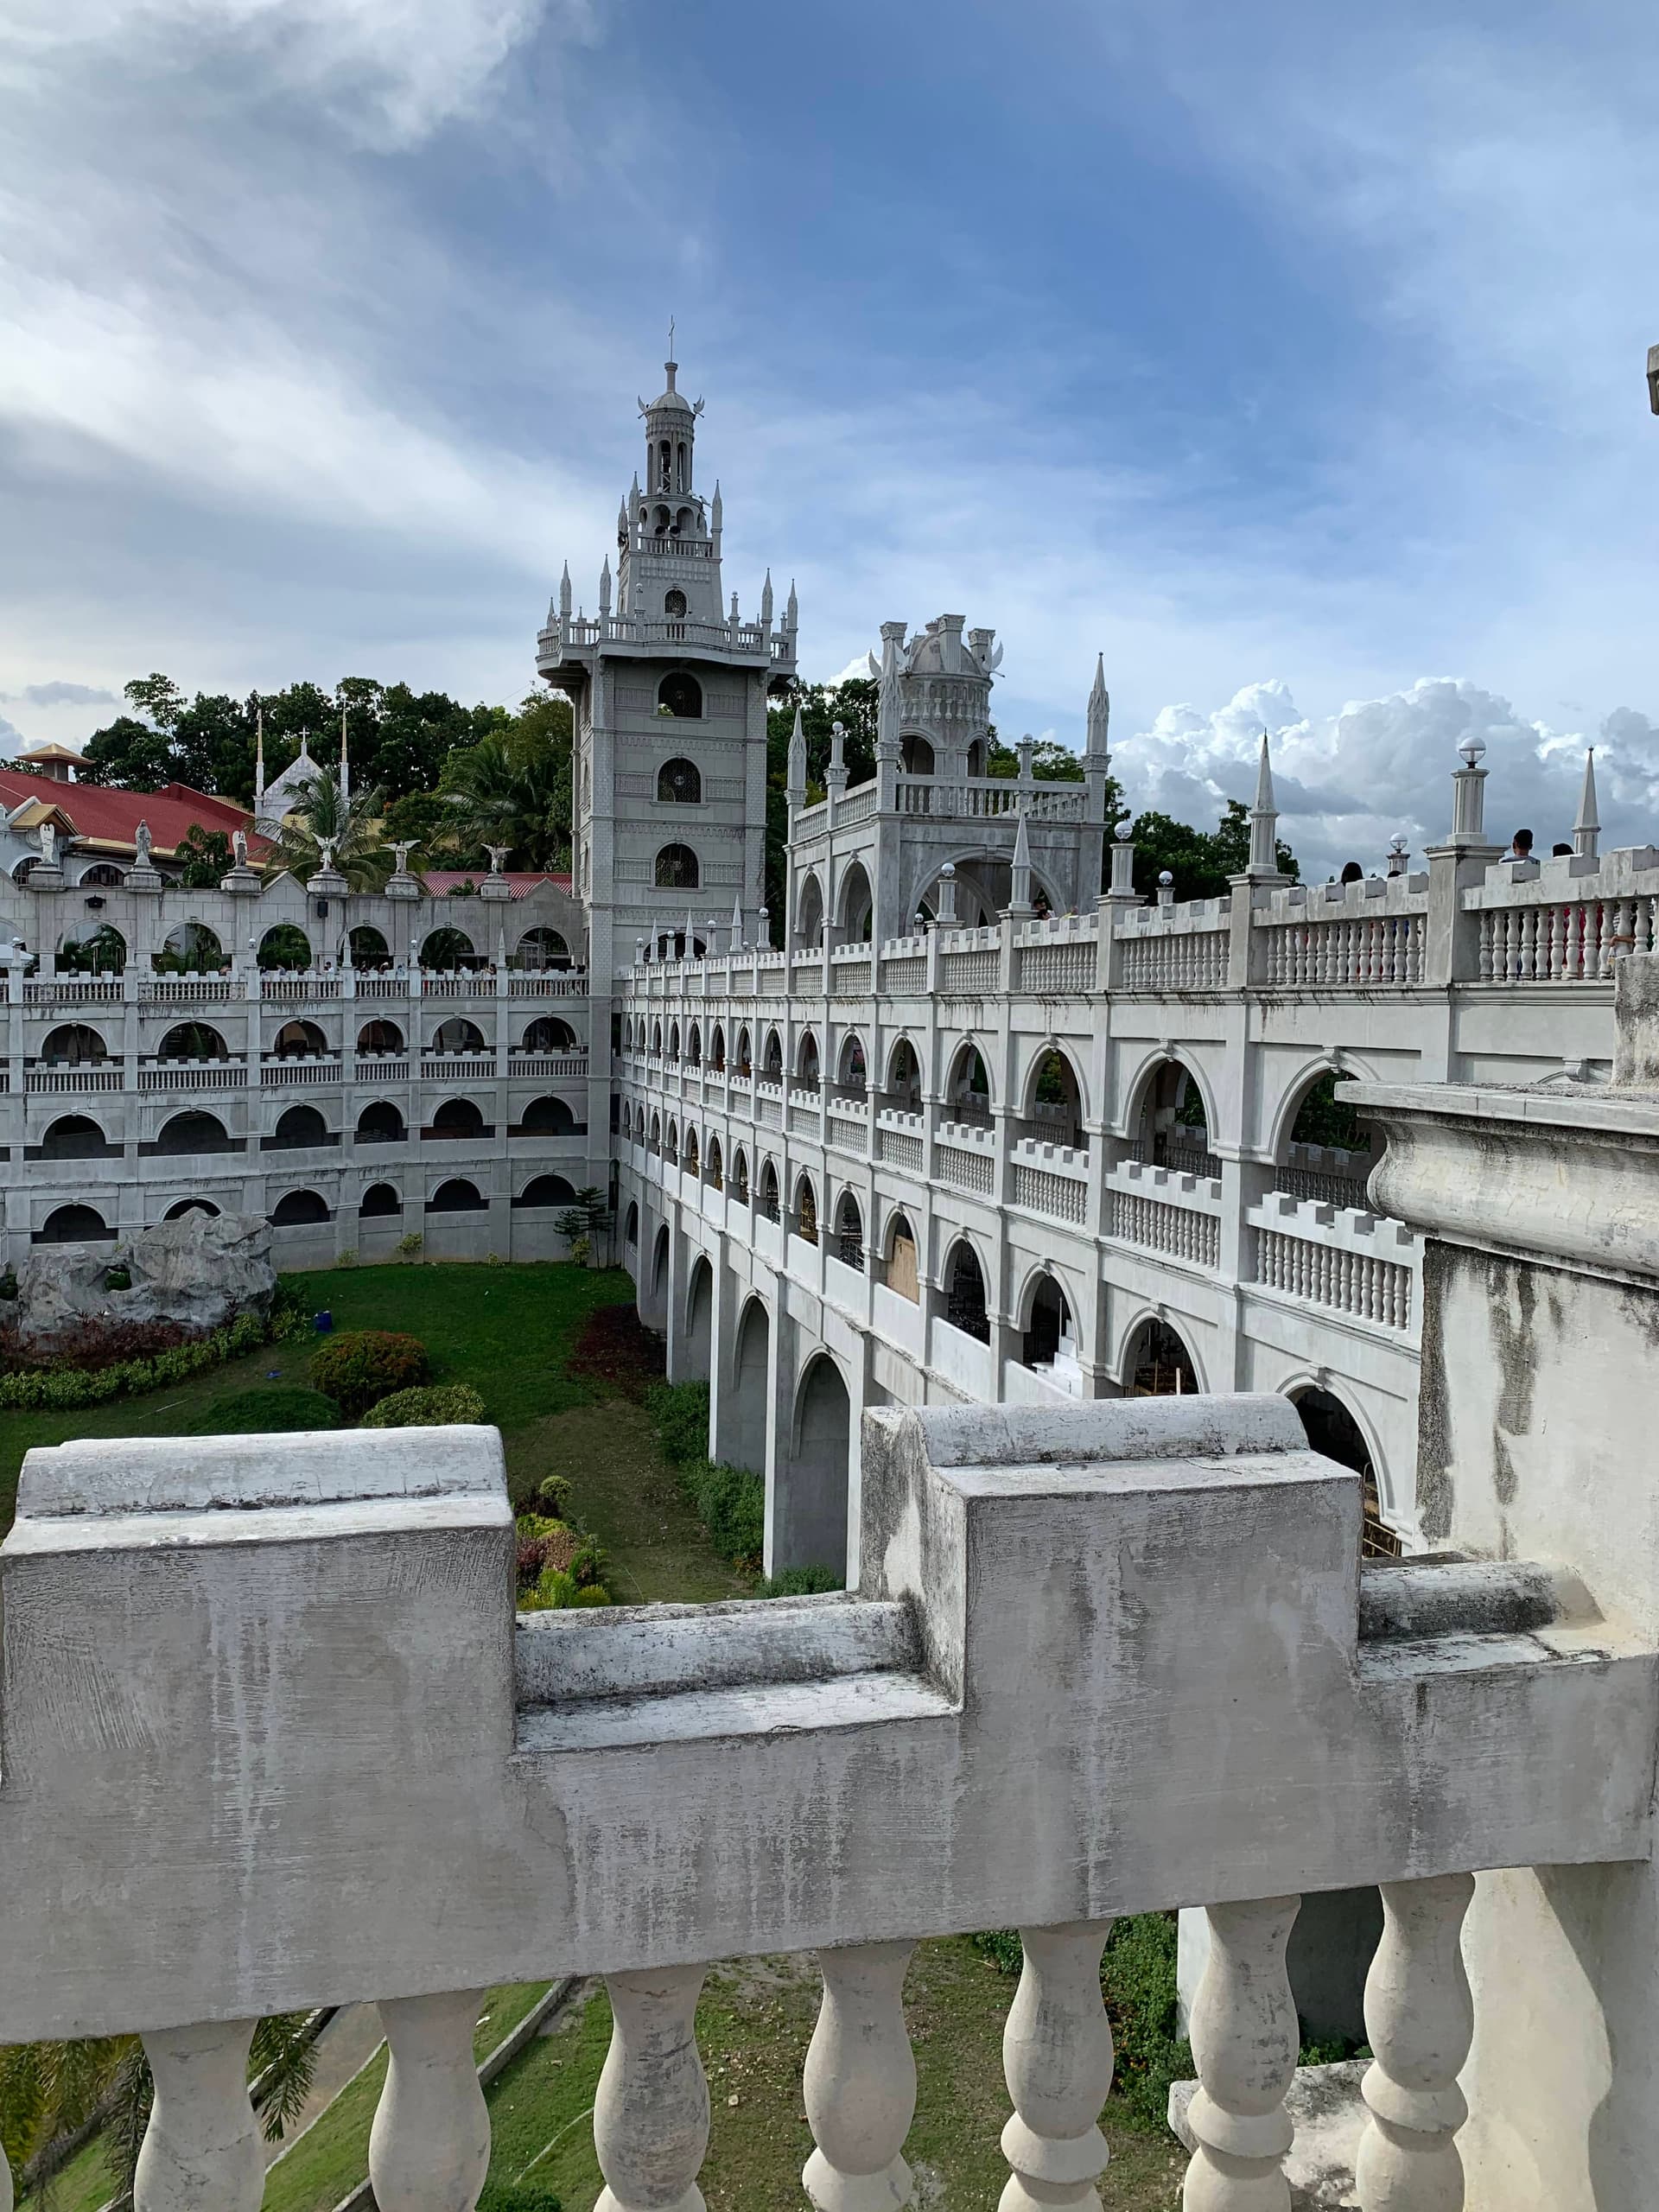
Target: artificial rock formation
<point x="196" y="1273"/>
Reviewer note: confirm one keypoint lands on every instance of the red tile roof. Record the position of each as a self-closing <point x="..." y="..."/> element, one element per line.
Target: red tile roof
<point x="441" y="880"/>
<point x="110" y="818"/>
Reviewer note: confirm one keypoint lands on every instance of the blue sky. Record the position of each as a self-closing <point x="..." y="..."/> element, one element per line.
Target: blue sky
<point x="1291" y="356"/>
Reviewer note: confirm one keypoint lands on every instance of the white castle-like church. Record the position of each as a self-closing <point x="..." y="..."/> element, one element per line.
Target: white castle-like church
<point x="1012" y="1183"/>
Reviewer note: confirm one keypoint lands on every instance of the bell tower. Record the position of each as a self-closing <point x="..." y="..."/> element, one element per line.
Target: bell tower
<point x="668" y="692"/>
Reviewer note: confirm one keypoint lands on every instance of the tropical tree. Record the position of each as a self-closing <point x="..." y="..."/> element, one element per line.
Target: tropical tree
<point x="515" y="795"/>
<point x="348" y="825"/>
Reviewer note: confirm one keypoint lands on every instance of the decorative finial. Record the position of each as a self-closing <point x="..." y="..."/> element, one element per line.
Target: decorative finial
<point x="1586" y="828"/>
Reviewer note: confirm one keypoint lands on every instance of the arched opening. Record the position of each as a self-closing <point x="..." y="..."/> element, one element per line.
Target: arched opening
<point x="691" y="1161"/>
<point x="806" y="1210"/>
<point x="541" y="949"/>
<point x="300" y="1040"/>
<point x="188" y="1133"/>
<point x="546" y="1117"/>
<point x="299" y="1125"/>
<point x="967" y="1091"/>
<point x="549" y="1036"/>
<point x="546" y="1191"/>
<point x="300" y="1210"/>
<point x="102" y="951"/>
<point x="714" y="1174"/>
<point x="368" y="947"/>
<point x="900" y="1269"/>
<point x="1172" y="1128"/>
<point x="631" y="1227"/>
<point x="916" y="754"/>
<point x="745" y="1051"/>
<point x="769" y="1203"/>
<point x="627" y="1118"/>
<point x="74" y="1045"/>
<point x="855" y="906"/>
<point x="806" y="1060"/>
<point x="74" y="1136"/>
<point x="457" y="1035"/>
<point x="676" y="868"/>
<point x="740" y="1176"/>
<point x="680" y="695"/>
<point x="674" y="601"/>
<point x="1157" y="1364"/>
<point x="191" y="948"/>
<point x="73" y="1225"/>
<point x="191" y="1040"/>
<point x="381" y="1124"/>
<point x="659" y="1271"/>
<point x="904" y="1092"/>
<point x="457" y="1118"/>
<point x="446" y="950"/>
<point x="849" y="1233"/>
<point x="656" y="1132"/>
<point x="674" y="1042"/>
<point x="1054" y="1101"/>
<point x="1328" y="1153"/>
<point x="381" y="1038"/>
<point x="457" y="1196"/>
<point x="1332" y="1430"/>
<point x="809" y="912"/>
<point x="851" y="1073"/>
<point x="717" y="1050"/>
<point x="378" y="1199"/>
<point x="692" y="1364"/>
<point x="679" y="783"/>
<point x="656" y="1039"/>
<point x="976" y="757"/>
<point x="773" y="1071"/>
<point x="1051" y="1338"/>
<point x="694" y="1045"/>
<point x="671" y="1142"/>
<point x="286" y="947"/>
<point x="813" y="1504"/>
<point x="964" y="1297"/>
<point x="103" y="875"/>
<point x="183" y="1207"/>
<point x="744" y="1443"/>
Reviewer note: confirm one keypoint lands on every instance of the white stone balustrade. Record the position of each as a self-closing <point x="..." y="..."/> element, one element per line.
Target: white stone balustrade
<point x="212" y="1641"/>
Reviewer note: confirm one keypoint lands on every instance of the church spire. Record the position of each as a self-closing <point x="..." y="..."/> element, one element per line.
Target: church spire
<point x="1264" y="819"/>
<point x="1100" y="711"/>
<point x="796" y="786"/>
<point x="1586" y="830"/>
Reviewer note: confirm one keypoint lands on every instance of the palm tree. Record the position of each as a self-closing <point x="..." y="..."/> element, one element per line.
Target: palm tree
<point x="506" y="796"/>
<point x="349" y="824"/>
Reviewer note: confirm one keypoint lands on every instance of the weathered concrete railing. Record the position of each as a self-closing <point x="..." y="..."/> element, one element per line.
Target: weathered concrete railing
<point x="1366" y="936"/>
<point x="1174" y="948"/>
<point x="274" y="1741"/>
<point x="1165" y="1210"/>
<point x="1351" y="1262"/>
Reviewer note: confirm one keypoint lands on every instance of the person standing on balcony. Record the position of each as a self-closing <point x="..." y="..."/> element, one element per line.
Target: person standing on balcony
<point x="1521" y="846"/>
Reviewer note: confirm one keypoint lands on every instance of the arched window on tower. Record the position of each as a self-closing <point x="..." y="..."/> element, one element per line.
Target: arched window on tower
<point x="674" y="606"/>
<point x="679" y="783"/>
<point x="680" y="695"/>
<point x="676" y="868"/>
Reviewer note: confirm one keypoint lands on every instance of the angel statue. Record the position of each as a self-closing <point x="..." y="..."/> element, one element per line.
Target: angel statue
<point x="400" y="852"/>
<point x="497" y="856"/>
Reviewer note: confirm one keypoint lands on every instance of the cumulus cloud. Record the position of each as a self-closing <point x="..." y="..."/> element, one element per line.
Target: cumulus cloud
<point x="11" y="737"/>
<point x="1347" y="782"/>
<point x="61" y="694"/>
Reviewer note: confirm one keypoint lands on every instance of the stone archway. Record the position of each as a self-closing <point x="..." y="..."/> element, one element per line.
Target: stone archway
<point x="744" y="1442"/>
<point x="810" y="1492"/>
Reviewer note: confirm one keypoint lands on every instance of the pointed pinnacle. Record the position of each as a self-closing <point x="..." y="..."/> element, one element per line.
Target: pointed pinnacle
<point x="1587" y="815"/>
<point x="1265" y="802"/>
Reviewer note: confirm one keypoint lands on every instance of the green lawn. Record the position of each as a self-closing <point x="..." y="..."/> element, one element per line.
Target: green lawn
<point x="507" y="1330"/>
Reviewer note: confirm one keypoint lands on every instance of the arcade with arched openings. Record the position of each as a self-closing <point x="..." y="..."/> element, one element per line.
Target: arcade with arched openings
<point x="1049" y="1343"/>
<point x="811" y="1496"/>
<point x="1171" y="1124"/>
<point x="742" y="1441"/>
<point x="1325" y="1150"/>
<point x="1331" y="1429"/>
<point x="964" y="1292"/>
<point x="1053" y="1107"/>
<point x="1157" y="1362"/>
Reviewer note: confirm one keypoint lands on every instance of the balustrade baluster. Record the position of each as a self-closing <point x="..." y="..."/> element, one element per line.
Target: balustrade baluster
<point x="1420" y="2020"/>
<point x="429" y="2146"/>
<point x="1591" y="939"/>
<point x="1561" y="919"/>
<point x="200" y="2151"/>
<point x="1245" y="2040"/>
<point x="859" y="2081"/>
<point x="1057" y="2059"/>
<point x="650" y="2116"/>
<point x="1488" y="946"/>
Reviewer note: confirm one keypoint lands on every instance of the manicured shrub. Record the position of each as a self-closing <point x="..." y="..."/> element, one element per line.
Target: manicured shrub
<point x="591" y="1593"/>
<point x="800" y="1582"/>
<point x="437" y="1405"/>
<point x="265" y="1411"/>
<point x="553" y="1495"/>
<point x="731" y="1504"/>
<point x="359" y="1367"/>
<point x="589" y="1563"/>
<point x="679" y="1413"/>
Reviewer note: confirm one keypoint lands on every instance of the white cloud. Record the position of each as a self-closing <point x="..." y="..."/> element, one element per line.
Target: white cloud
<point x="11" y="738"/>
<point x="1345" y="783"/>
<point x="59" y="693"/>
